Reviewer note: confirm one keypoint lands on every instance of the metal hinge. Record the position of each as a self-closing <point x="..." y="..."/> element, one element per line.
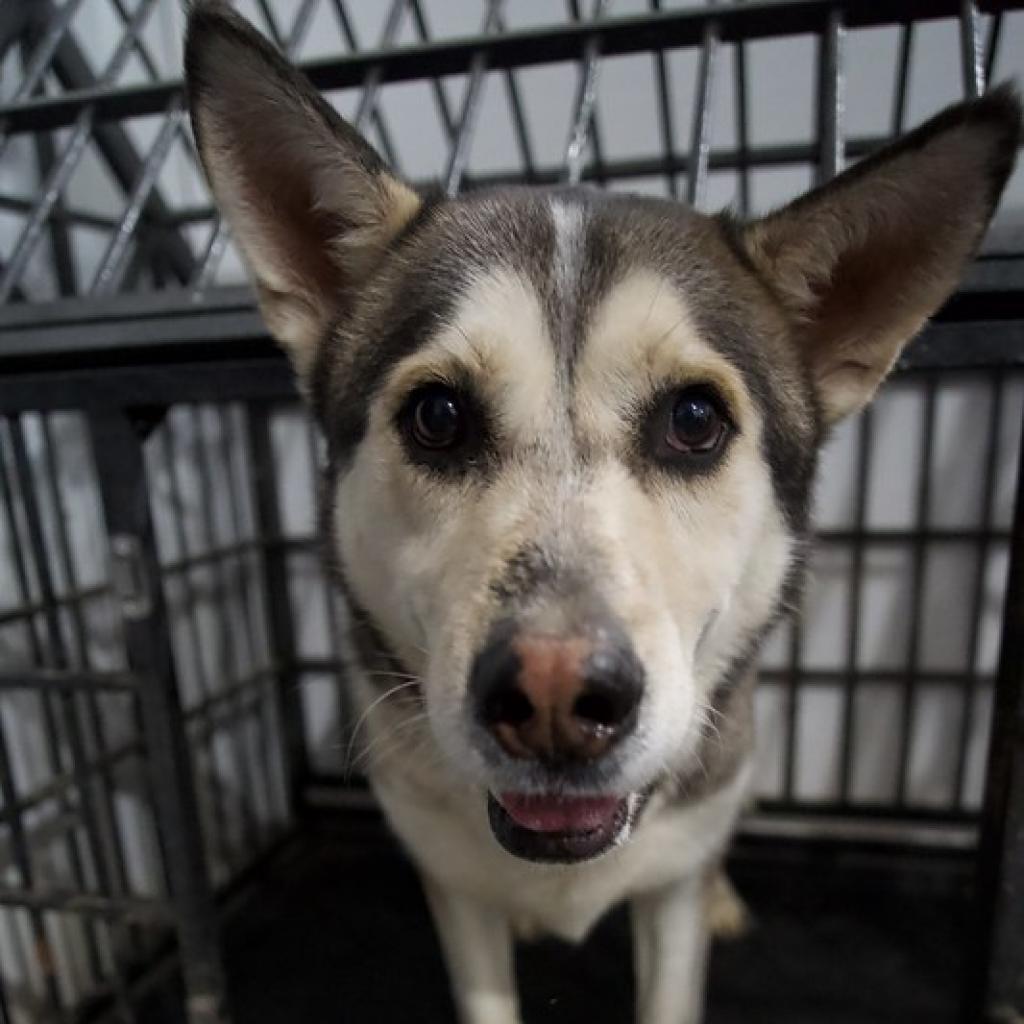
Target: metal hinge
<point x="129" y="576"/>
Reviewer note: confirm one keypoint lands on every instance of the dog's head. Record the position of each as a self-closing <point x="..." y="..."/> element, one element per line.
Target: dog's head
<point x="572" y="436"/>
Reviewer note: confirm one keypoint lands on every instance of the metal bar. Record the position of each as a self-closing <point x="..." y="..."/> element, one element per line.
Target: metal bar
<point x="244" y="547"/>
<point x="277" y="601"/>
<point x="71" y="155"/>
<point x="65" y="214"/>
<point x="206" y="269"/>
<point x="459" y="157"/>
<point x="700" y="141"/>
<point x="27" y="611"/>
<point x="913" y="817"/>
<point x="230" y="667"/>
<point x="221" y="711"/>
<point x="994" y="38"/>
<point x="125" y="495"/>
<point x="992" y="459"/>
<point x="995" y="989"/>
<point x="642" y="167"/>
<point x="60" y="243"/>
<point x="211" y="355"/>
<point x="586" y="98"/>
<point x="665" y="111"/>
<point x="218" y="823"/>
<point x="794" y="680"/>
<point x="865" y="436"/>
<point x="74" y="682"/>
<point x="899" y="107"/>
<point x="329" y="594"/>
<point x="440" y="99"/>
<point x="742" y="127"/>
<point x="268" y="17"/>
<point x="519" y="126"/>
<point x="250" y="612"/>
<point x="638" y="34"/>
<point x="833" y="677"/>
<point x="830" y="100"/>
<point x="972" y="49"/>
<point x="916" y="610"/>
<point x="383" y="133"/>
<point x="59" y="784"/>
<point x="215" y="554"/>
<point x="375" y="76"/>
<point x="597" y="149"/>
<point x="133" y="910"/>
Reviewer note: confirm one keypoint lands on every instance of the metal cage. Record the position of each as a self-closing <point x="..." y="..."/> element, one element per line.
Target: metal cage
<point x="169" y="651"/>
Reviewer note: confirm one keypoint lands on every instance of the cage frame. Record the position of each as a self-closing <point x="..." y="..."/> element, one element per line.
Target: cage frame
<point x="121" y="358"/>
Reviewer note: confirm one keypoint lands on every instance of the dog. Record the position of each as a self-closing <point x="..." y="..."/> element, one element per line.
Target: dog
<point x="571" y="443"/>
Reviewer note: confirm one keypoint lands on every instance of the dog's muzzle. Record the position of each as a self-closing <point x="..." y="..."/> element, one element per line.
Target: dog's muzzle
<point x="558" y="704"/>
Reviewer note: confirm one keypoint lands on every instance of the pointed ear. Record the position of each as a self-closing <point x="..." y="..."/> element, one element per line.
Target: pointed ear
<point x="310" y="203"/>
<point x="862" y="262"/>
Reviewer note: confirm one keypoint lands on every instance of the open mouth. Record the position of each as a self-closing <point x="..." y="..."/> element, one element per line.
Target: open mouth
<point x="558" y="828"/>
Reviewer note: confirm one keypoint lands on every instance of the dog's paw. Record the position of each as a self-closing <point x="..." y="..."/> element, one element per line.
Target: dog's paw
<point x="728" y="916"/>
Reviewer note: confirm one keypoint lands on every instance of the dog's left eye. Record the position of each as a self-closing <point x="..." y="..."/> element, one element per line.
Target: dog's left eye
<point x="436" y="418"/>
<point x="696" y="424"/>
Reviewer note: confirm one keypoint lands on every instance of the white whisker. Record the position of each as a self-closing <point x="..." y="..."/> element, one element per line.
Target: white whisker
<point x="380" y="700"/>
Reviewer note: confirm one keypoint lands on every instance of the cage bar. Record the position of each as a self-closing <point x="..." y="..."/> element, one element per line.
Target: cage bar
<point x="700" y="142"/>
<point x="459" y="156"/>
<point x="122" y="479"/>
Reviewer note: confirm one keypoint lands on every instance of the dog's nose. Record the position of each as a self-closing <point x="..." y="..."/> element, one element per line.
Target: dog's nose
<point x="554" y="698"/>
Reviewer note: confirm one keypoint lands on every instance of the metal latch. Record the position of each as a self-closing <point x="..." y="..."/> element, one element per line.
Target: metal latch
<point x="129" y="577"/>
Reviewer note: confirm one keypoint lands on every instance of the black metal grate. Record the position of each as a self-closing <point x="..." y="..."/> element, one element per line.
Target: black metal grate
<point x="170" y="661"/>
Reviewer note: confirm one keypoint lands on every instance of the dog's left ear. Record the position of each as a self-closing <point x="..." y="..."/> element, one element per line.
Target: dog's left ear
<point x="311" y="204"/>
<point x="863" y="261"/>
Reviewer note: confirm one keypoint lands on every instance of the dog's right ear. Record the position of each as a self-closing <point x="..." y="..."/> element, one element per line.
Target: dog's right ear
<point x="311" y="204"/>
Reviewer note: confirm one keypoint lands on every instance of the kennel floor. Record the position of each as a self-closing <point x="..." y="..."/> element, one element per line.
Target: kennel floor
<point x="336" y="930"/>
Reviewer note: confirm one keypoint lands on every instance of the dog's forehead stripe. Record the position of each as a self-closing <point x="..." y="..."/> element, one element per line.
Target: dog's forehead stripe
<point x="567" y="217"/>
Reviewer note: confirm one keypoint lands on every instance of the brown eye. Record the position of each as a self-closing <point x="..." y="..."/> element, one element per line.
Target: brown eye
<point x="696" y="424"/>
<point x="437" y="418"/>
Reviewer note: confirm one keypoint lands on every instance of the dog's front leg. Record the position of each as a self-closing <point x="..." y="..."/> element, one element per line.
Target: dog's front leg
<point x="477" y="944"/>
<point x="670" y="953"/>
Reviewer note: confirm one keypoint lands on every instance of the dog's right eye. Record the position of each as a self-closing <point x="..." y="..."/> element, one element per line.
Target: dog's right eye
<point x="436" y="419"/>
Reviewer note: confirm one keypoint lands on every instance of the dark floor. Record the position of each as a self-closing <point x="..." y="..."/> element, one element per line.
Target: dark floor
<point x="338" y="932"/>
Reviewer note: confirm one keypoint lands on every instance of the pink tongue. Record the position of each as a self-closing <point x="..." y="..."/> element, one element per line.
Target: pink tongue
<point x="560" y="814"/>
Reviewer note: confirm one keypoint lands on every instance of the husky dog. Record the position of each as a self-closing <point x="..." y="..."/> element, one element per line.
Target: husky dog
<point x="571" y="439"/>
